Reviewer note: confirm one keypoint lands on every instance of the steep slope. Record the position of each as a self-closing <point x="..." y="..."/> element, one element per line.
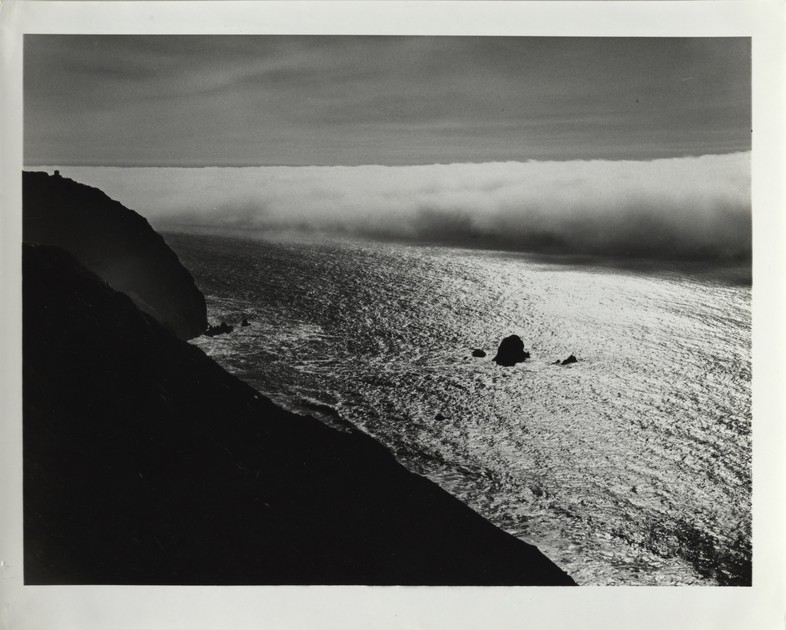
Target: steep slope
<point x="146" y="463"/>
<point x="117" y="244"/>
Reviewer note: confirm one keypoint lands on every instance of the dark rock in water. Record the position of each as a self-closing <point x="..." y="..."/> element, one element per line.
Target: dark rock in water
<point x="245" y="322"/>
<point x="537" y="490"/>
<point x="569" y="360"/>
<point x="511" y="351"/>
<point x="478" y="353"/>
<point x="147" y="463"/>
<point x="221" y="329"/>
<point x="439" y="416"/>
<point x="117" y="244"/>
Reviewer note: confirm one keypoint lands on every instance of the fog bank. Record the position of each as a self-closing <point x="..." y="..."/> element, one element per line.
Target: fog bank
<point x="692" y="207"/>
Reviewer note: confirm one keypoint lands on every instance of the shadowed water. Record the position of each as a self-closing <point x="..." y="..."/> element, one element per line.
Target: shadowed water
<point x="631" y="466"/>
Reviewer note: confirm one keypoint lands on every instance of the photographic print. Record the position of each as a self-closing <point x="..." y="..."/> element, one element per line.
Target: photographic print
<point x="387" y="310"/>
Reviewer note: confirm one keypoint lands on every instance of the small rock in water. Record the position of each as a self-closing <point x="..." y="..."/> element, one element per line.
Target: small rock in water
<point x="439" y="416"/>
<point x="537" y="490"/>
<point x="221" y="329"/>
<point x="511" y="351"/>
<point x="569" y="360"/>
<point x="245" y="322"/>
<point x="478" y="353"/>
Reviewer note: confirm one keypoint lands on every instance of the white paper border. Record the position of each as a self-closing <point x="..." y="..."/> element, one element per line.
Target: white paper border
<point x="86" y="608"/>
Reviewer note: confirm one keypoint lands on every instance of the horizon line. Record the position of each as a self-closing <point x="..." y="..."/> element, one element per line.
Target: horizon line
<point x="390" y="165"/>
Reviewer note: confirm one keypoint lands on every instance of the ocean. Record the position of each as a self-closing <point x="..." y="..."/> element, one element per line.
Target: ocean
<point x="630" y="467"/>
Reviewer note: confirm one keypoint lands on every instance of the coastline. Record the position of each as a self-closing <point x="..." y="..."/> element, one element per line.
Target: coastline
<point x="147" y="463"/>
<point x="172" y="471"/>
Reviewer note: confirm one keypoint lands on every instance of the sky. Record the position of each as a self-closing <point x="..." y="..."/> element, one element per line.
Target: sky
<point x="340" y="100"/>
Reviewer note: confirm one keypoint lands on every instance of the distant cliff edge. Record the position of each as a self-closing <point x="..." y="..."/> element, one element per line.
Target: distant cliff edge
<point x="117" y="244"/>
<point x="147" y="463"/>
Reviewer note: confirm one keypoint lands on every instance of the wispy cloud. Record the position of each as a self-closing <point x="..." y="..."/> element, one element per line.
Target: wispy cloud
<point x="300" y="100"/>
<point x="696" y="207"/>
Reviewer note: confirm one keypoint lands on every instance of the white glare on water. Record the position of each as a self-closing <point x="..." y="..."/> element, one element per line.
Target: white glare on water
<point x="631" y="466"/>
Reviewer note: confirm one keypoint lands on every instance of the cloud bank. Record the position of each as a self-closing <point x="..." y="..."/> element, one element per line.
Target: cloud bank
<point x="691" y="207"/>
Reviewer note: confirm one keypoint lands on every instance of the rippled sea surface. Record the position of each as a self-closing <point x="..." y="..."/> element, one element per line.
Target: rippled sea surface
<point x="632" y="466"/>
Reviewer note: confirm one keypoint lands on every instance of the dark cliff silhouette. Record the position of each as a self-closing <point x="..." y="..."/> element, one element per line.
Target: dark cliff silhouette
<point x="147" y="463"/>
<point x="116" y="243"/>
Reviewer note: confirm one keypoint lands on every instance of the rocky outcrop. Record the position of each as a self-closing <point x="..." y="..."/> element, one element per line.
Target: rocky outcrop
<point x="117" y="244"/>
<point x="221" y="329"/>
<point x="147" y="463"/>
<point x="511" y="351"/>
<point x="478" y="353"/>
<point x="569" y="360"/>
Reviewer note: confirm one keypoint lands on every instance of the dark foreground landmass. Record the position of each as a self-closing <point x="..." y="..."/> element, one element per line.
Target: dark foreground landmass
<point x="116" y="243"/>
<point x="147" y="463"/>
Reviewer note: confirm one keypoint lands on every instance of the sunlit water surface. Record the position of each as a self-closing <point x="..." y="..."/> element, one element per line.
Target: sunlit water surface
<point x="631" y="466"/>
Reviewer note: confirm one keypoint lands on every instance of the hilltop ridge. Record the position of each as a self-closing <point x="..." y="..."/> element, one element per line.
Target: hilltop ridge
<point x="116" y="243"/>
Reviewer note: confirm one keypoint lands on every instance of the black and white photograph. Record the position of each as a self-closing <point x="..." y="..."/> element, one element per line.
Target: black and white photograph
<point x="410" y="310"/>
